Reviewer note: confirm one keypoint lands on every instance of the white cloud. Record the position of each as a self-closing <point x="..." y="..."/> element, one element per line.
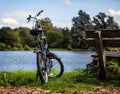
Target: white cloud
<point x="68" y="2"/>
<point x="114" y="12"/>
<point x="22" y="14"/>
<point x="15" y="18"/>
<point x="9" y="21"/>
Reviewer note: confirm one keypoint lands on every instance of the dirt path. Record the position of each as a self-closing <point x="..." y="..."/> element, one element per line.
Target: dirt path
<point x="36" y="90"/>
<point x="22" y="90"/>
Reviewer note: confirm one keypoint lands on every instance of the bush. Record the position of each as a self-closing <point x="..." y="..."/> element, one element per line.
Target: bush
<point x="92" y="69"/>
<point x="2" y="46"/>
<point x="14" y="48"/>
<point x="27" y="47"/>
<point x="69" y="47"/>
<point x="113" y="68"/>
<point x="18" y="45"/>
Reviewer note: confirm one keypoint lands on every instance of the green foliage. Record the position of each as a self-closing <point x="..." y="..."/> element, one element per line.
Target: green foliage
<point x="92" y="69"/>
<point x="27" y="47"/>
<point x="26" y="38"/>
<point x="8" y="37"/>
<point x="2" y="46"/>
<point x="69" y="83"/>
<point x="80" y="23"/>
<point x="66" y="38"/>
<point x="18" y="46"/>
<point x="113" y="68"/>
<point x="18" y="38"/>
<point x="17" y="78"/>
<point x="83" y="22"/>
<point x="69" y="47"/>
<point x="54" y="39"/>
<point x="102" y="21"/>
<point x="47" y="25"/>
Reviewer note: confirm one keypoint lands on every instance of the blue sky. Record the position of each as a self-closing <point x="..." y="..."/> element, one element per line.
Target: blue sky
<point x="13" y="13"/>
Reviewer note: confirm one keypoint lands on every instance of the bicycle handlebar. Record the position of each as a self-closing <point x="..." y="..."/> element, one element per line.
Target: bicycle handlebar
<point x="39" y="13"/>
<point x="30" y="17"/>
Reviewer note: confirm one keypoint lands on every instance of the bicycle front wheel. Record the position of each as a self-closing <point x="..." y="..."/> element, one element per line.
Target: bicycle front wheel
<point x="56" y="67"/>
<point x="42" y="71"/>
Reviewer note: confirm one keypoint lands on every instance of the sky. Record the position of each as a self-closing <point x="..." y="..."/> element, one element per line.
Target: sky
<point x="13" y="13"/>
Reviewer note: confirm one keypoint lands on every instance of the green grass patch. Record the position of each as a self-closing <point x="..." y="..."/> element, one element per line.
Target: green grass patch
<point x="69" y="82"/>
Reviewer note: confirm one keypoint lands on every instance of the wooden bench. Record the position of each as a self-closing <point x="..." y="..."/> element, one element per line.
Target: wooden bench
<point x="101" y="39"/>
<point x="109" y="55"/>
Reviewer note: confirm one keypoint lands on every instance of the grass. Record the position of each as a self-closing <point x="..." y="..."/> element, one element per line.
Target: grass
<point x="70" y="81"/>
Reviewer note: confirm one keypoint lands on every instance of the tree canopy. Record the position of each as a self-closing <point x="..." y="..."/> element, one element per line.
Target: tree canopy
<point x="83" y="22"/>
<point x="20" y="38"/>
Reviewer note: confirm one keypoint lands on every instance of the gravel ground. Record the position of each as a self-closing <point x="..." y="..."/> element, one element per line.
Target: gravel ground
<point x="21" y="90"/>
<point x="36" y="90"/>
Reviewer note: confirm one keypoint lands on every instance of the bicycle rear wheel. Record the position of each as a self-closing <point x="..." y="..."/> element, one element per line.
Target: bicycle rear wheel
<point x="56" y="67"/>
<point x="42" y="71"/>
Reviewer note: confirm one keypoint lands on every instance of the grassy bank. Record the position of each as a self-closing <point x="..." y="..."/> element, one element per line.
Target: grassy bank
<point x="70" y="82"/>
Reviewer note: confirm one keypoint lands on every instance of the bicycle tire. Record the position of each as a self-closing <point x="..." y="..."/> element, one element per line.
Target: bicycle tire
<point x="56" y="70"/>
<point x="42" y="72"/>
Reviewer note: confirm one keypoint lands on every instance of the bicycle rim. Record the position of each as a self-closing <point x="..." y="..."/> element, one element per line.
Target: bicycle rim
<point x="56" y="68"/>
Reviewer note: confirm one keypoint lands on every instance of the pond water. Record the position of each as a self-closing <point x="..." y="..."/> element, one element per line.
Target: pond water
<point x="26" y="60"/>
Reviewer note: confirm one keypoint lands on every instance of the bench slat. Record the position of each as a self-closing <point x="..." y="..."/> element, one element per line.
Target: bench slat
<point x="106" y="43"/>
<point x="111" y="43"/>
<point x="105" y="33"/>
<point x="109" y="54"/>
<point x="110" y="33"/>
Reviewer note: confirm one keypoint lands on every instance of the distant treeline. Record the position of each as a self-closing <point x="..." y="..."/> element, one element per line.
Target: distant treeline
<point x="20" y="38"/>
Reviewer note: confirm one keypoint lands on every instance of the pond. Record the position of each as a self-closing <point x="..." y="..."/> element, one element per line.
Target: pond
<point x="26" y="60"/>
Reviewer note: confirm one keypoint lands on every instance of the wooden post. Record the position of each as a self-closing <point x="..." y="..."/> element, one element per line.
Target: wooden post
<point x="101" y="54"/>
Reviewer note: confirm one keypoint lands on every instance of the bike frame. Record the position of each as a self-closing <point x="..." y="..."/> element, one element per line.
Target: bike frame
<point x="45" y="58"/>
<point x="43" y="46"/>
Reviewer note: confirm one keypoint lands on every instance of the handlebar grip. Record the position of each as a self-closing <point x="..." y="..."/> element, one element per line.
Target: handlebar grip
<point x="28" y="18"/>
<point x="39" y="13"/>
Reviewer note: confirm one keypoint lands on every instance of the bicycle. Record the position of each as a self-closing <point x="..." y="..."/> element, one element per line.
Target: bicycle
<point x="48" y="63"/>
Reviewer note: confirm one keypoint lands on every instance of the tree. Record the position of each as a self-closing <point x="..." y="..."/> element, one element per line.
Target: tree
<point x="2" y="46"/>
<point x="8" y="36"/>
<point x="26" y="38"/>
<point x="54" y="39"/>
<point x="83" y="22"/>
<point x="46" y="25"/>
<point x="80" y="23"/>
<point x="103" y="21"/>
<point x="67" y="38"/>
<point x="111" y="23"/>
